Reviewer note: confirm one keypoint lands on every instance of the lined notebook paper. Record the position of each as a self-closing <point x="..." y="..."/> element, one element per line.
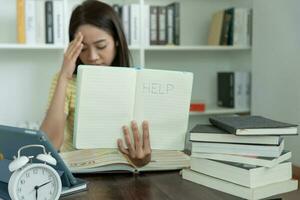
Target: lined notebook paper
<point x="110" y="97"/>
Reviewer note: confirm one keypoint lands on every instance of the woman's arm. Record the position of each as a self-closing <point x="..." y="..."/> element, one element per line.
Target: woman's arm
<point x="139" y="152"/>
<point x="54" y="122"/>
<point x="55" y="119"/>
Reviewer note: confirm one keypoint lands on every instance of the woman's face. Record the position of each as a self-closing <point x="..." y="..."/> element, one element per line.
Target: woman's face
<point x="98" y="46"/>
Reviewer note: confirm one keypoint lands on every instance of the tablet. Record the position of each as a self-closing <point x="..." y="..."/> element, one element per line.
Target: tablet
<point x="13" y="138"/>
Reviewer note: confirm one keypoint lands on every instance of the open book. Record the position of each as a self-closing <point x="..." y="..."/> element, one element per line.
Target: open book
<point x="111" y="160"/>
<point x="110" y="97"/>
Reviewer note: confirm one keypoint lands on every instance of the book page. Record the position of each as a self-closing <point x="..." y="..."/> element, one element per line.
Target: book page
<point x="163" y="98"/>
<point x="105" y="100"/>
<point x="80" y="160"/>
<point x="166" y="160"/>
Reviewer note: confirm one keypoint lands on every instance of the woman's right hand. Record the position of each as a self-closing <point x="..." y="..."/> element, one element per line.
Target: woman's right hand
<point x="71" y="56"/>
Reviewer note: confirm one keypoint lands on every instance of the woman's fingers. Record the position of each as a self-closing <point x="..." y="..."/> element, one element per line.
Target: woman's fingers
<point x="139" y="152"/>
<point x="128" y="141"/>
<point x="121" y="147"/>
<point x="136" y="137"/>
<point x="76" y="46"/>
<point x="71" y="44"/>
<point x="146" y="138"/>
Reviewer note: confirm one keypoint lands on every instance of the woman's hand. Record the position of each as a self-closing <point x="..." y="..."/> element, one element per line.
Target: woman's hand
<point x="71" y="56"/>
<point x="139" y="152"/>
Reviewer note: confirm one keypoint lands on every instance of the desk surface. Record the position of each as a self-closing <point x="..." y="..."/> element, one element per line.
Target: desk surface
<point x="154" y="185"/>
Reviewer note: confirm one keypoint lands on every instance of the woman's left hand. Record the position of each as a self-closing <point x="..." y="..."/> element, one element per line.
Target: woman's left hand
<point x="140" y="152"/>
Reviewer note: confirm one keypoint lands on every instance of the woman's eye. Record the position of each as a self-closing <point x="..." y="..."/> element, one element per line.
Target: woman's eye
<point x="101" y="47"/>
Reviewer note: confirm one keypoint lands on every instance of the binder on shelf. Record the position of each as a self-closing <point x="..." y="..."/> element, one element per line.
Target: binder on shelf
<point x="233" y="89"/>
<point x="162" y="25"/>
<point x="49" y="22"/>
<point x="153" y="25"/>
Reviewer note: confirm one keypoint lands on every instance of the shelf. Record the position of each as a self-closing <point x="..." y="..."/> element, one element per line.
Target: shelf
<point x="4" y="46"/>
<point x="216" y="110"/>
<point x="196" y="48"/>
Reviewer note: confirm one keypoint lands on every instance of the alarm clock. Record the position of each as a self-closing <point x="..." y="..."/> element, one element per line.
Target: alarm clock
<point x="34" y="181"/>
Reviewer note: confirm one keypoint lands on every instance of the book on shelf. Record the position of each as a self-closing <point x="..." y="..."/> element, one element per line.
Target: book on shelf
<point x="250" y="160"/>
<point x="253" y="125"/>
<point x="233" y="89"/>
<point x="210" y="133"/>
<point x="243" y="174"/>
<point x="215" y="31"/>
<point x="21" y="27"/>
<point x="30" y="21"/>
<point x="242" y="20"/>
<point x="135" y="28"/>
<point x="239" y="190"/>
<point x="146" y="21"/>
<point x="58" y="24"/>
<point x="110" y="97"/>
<point x="126" y="21"/>
<point x="241" y="149"/>
<point x="226" y="26"/>
<point x="40" y="14"/>
<point x="111" y="160"/>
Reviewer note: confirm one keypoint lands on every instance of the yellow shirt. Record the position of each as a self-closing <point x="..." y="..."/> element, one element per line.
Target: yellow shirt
<point x="69" y="111"/>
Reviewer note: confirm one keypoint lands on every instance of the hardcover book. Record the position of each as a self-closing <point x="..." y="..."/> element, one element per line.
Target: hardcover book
<point x="110" y="97"/>
<point x="239" y="190"/>
<point x="215" y="31"/>
<point x="251" y="160"/>
<point x="253" y="125"/>
<point x="242" y="174"/>
<point x="210" y="133"/>
<point x="241" y="149"/>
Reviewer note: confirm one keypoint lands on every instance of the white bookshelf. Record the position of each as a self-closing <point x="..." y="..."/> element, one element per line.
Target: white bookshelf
<point x="218" y="110"/>
<point x="196" y="48"/>
<point x="8" y="46"/>
<point x="29" y="68"/>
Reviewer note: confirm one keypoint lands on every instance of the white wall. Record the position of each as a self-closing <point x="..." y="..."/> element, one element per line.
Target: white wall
<point x="276" y="64"/>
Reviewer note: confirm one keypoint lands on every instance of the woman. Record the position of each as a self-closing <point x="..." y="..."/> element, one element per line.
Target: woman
<point x="97" y="38"/>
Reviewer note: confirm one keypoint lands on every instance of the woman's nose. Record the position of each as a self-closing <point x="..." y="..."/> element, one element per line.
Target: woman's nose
<point x="92" y="56"/>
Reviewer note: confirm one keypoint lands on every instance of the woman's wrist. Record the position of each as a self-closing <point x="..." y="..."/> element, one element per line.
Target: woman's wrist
<point x="63" y="78"/>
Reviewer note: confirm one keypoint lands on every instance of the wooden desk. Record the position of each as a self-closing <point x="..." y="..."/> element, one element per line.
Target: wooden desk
<point x="150" y="185"/>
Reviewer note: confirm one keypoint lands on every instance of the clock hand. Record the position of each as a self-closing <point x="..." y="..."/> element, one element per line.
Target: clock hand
<point x="37" y="187"/>
<point x="36" y="192"/>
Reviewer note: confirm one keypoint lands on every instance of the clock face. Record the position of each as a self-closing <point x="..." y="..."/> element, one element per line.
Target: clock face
<point x="36" y="182"/>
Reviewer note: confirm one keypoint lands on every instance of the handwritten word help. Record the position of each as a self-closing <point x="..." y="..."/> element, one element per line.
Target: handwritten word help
<point x="154" y="88"/>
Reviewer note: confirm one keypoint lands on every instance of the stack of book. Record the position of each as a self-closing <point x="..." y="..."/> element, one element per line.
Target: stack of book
<point x="243" y="156"/>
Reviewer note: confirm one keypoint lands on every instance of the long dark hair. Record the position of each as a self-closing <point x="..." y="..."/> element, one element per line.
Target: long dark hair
<point x="103" y="16"/>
